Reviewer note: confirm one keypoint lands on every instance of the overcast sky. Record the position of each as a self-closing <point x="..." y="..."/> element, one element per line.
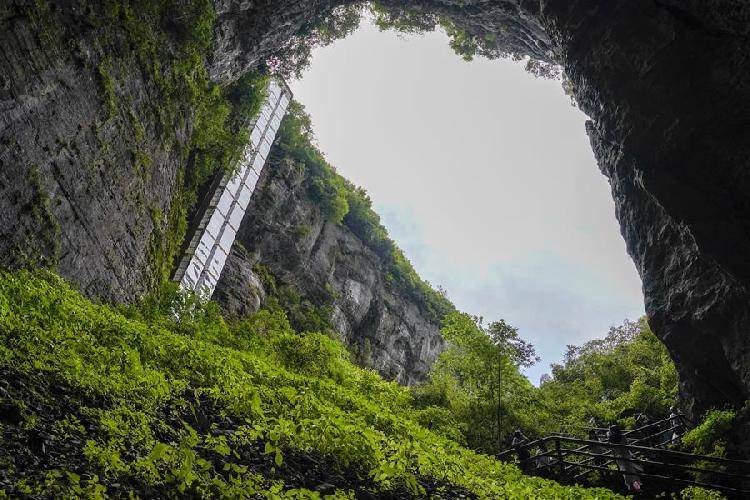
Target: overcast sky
<point x="484" y="176"/>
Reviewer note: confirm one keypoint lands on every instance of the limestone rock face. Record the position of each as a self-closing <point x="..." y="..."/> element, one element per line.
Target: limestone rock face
<point x="249" y="31"/>
<point x="286" y="232"/>
<point x="667" y="87"/>
<point x="241" y="292"/>
<point x="72" y="195"/>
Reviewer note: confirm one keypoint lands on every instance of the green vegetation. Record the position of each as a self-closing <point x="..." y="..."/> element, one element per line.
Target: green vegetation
<point x="318" y="30"/>
<point x="108" y="88"/>
<point x="476" y="392"/>
<point x="344" y="203"/>
<point x="710" y="436"/>
<point x="411" y="19"/>
<point x="610" y="379"/>
<point x="303" y="315"/>
<point x="176" y="65"/>
<point x="41" y="210"/>
<point x="193" y="406"/>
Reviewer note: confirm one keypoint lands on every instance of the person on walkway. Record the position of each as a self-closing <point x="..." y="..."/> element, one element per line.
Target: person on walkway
<point x="676" y="424"/>
<point x="630" y="470"/>
<point x="522" y="452"/>
<point x="593" y="423"/>
<point x="543" y="461"/>
<point x="596" y="449"/>
<point x="641" y="425"/>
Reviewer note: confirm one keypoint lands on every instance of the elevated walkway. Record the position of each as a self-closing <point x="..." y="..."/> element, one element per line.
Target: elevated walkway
<point x="665" y="471"/>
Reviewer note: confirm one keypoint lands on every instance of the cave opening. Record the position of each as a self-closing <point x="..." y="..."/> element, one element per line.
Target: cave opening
<point x="485" y="177"/>
<point x="114" y="115"/>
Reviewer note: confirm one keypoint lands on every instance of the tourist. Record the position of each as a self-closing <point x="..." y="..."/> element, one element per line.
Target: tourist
<point x="522" y="452"/>
<point x="676" y="425"/>
<point x="630" y="470"/>
<point x="596" y="449"/>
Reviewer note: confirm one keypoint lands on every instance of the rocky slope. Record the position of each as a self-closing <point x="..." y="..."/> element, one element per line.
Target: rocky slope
<point x="286" y="232"/>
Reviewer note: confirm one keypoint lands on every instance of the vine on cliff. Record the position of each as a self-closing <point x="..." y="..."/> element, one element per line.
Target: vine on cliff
<point x="170" y="41"/>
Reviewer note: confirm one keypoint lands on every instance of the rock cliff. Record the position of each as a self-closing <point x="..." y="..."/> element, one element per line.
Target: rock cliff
<point x="286" y="232"/>
<point x="85" y="166"/>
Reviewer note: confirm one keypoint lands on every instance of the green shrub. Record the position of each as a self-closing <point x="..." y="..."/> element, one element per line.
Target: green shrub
<point x="147" y="374"/>
<point x="614" y="378"/>
<point x="303" y="315"/>
<point x="698" y="493"/>
<point x="709" y="437"/>
<point x="311" y="354"/>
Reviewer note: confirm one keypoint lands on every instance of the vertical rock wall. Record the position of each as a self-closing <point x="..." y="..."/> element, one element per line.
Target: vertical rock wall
<point x="667" y="87"/>
<point x="84" y="168"/>
<point x="285" y="231"/>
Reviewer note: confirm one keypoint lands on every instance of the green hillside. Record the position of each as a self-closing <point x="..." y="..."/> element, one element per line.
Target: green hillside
<point x="98" y="401"/>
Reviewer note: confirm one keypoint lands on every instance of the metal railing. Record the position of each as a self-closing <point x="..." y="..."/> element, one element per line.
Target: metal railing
<point x="582" y="461"/>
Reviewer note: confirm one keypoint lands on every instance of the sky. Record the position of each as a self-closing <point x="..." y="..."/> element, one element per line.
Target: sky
<point x="484" y="176"/>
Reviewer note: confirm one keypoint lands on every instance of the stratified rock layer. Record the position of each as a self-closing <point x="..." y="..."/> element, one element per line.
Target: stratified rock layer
<point x="286" y="232"/>
<point x="84" y="166"/>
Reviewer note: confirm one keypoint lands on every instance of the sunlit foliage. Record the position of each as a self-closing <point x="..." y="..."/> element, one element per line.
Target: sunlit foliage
<point x="173" y="400"/>
<point x="476" y="379"/>
<point x="627" y="372"/>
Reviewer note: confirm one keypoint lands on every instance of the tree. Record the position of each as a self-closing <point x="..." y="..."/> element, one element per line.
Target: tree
<point x="520" y="351"/>
<point x="627" y="372"/>
<point x="477" y="378"/>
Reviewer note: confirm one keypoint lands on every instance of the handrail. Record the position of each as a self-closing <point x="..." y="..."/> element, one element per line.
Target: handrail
<point x="646" y="456"/>
<point x="672" y="478"/>
<point x="663" y="451"/>
<point x="650" y="462"/>
<point x="652" y="424"/>
<point x="632" y="443"/>
<point x="546" y="439"/>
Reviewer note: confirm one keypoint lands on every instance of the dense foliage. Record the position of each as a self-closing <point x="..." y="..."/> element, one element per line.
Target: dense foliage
<point x="318" y="30"/>
<point x="476" y="392"/>
<point x="476" y="388"/>
<point x="97" y="401"/>
<point x="303" y="315"/>
<point x="344" y="203"/>
<point x="710" y="436"/>
<point x="403" y="17"/>
<point x="627" y="372"/>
